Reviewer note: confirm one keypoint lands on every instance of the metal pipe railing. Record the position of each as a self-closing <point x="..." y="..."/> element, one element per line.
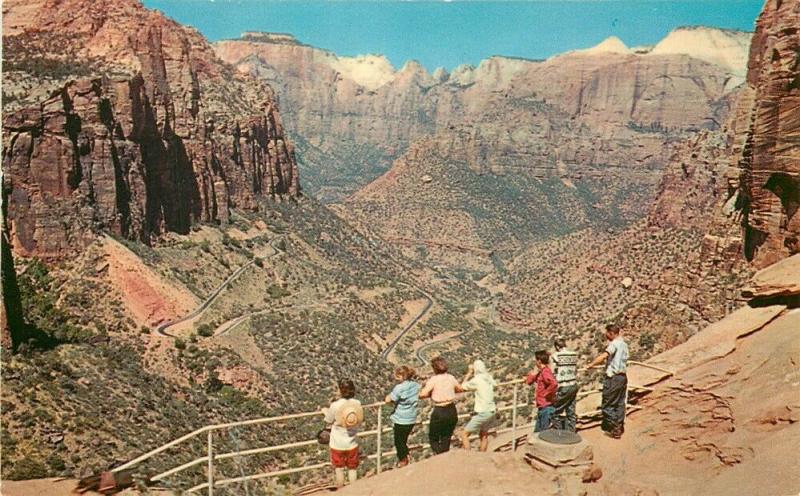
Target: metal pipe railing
<point x="299" y="444"/>
<point x="211" y="457"/>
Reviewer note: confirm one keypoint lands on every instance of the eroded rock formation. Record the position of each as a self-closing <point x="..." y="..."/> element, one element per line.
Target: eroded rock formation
<point x="769" y="182"/>
<point x="353" y="116"/>
<point x="144" y="129"/>
<point x="741" y="183"/>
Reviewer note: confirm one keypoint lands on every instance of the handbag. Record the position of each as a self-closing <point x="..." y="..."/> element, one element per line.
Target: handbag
<point x="324" y="436"/>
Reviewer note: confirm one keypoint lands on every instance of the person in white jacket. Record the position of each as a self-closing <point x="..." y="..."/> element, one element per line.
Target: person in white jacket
<point x="482" y="383"/>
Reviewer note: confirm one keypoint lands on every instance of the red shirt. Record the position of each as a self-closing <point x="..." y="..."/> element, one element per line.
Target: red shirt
<point x="546" y="386"/>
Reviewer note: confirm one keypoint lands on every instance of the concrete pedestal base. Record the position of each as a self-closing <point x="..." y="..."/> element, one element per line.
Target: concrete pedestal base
<point x="568" y="464"/>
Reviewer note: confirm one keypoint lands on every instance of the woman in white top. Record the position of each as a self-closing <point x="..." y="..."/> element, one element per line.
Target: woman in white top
<point x="345" y="415"/>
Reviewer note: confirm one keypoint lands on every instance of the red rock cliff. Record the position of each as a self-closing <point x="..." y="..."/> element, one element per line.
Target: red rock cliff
<point x="770" y="158"/>
<point x="144" y="129"/>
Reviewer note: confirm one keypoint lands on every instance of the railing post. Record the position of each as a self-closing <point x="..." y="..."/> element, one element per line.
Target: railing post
<point x="380" y="431"/>
<point x="514" y="422"/>
<point x="210" y="467"/>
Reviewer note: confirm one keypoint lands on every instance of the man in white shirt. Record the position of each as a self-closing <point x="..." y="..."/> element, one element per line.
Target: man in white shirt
<point x="615" y="382"/>
<point x="566" y="368"/>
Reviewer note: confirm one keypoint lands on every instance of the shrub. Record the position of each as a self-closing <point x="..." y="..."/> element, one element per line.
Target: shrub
<point x="56" y="462"/>
<point x="180" y="344"/>
<point x="27" y="468"/>
<point x="205" y="330"/>
<point x="276" y="292"/>
<point x="647" y="341"/>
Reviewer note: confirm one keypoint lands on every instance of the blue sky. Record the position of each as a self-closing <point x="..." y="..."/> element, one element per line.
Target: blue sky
<point x="439" y="33"/>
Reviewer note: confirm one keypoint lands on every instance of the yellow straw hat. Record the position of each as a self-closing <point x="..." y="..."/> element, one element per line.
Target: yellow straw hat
<point x="350" y="414"/>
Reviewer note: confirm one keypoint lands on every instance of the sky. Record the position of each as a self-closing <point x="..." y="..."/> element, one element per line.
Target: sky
<point x="450" y="33"/>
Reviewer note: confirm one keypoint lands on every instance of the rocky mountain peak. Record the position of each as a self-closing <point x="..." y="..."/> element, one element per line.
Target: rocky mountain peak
<point x="440" y="75"/>
<point x="723" y="47"/>
<point x="369" y="71"/>
<point x="612" y="44"/>
<point x="414" y="73"/>
<point x="137" y="129"/>
<point x="463" y="74"/>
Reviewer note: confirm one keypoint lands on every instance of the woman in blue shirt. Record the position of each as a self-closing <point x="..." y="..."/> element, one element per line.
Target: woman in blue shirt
<point x="405" y="396"/>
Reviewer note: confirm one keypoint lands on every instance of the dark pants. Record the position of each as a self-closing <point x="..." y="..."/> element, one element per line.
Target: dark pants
<point x="613" y="405"/>
<point x="443" y="423"/>
<point x="401" y="433"/>
<point x="564" y="416"/>
<point x="544" y="418"/>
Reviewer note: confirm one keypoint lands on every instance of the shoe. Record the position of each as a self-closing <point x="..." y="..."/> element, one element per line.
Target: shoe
<point x="613" y="435"/>
<point x="402" y="463"/>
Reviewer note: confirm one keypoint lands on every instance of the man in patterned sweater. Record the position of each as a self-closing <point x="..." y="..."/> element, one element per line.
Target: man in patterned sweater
<point x="565" y="363"/>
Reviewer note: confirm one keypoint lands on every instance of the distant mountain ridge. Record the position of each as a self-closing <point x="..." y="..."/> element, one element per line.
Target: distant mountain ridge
<point x="728" y="48"/>
<point x="352" y="116"/>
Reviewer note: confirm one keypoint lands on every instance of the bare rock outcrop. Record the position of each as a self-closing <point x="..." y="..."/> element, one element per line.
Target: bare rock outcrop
<point x="747" y="172"/>
<point x="778" y="280"/>
<point x="143" y="130"/>
<point x="770" y="158"/>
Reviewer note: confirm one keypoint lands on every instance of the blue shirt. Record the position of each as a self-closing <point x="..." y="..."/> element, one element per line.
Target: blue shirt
<point x="405" y="397"/>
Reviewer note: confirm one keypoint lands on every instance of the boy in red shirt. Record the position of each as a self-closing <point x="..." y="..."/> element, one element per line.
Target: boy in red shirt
<point x="546" y="387"/>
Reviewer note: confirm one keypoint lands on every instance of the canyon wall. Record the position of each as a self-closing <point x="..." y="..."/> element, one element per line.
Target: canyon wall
<point x="769" y="181"/>
<point x="608" y="105"/>
<point x="120" y="120"/>
<point x="741" y="183"/>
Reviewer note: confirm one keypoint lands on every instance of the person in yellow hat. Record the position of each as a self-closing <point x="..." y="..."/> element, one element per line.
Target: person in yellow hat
<point x="345" y="416"/>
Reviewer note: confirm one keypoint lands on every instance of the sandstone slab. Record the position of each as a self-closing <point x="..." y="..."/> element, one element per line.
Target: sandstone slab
<point x="779" y="279"/>
<point x="716" y="341"/>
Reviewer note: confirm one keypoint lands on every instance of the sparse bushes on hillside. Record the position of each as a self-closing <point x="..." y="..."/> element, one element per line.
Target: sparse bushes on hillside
<point x="25" y="469"/>
<point x="277" y="292"/>
<point x="38" y="292"/>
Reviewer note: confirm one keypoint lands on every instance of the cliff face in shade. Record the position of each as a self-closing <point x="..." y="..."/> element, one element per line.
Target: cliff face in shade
<point x="354" y="115"/>
<point x="769" y="182"/>
<point x="143" y="130"/>
<point x="12" y="320"/>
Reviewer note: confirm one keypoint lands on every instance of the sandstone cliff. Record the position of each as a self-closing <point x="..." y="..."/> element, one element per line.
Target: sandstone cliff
<point x="12" y="320"/>
<point x="353" y="116"/>
<point x="769" y="182"/>
<point x="741" y="183"/>
<point x="120" y="119"/>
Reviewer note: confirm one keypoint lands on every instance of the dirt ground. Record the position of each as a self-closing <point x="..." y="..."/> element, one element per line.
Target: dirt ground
<point x="44" y="487"/>
<point x="147" y="295"/>
<point x="457" y="473"/>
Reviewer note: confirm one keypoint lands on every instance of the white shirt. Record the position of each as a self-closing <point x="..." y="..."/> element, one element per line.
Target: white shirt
<point x="483" y="385"/>
<point x="617" y="357"/>
<point x="342" y="439"/>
